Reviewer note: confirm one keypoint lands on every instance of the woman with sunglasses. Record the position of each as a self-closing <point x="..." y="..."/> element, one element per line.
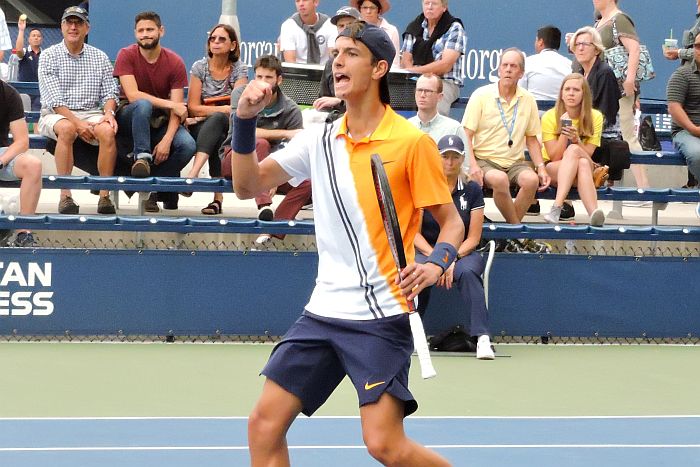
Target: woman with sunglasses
<point x="571" y="132"/>
<point x="212" y="79"/>
<point x="372" y="12"/>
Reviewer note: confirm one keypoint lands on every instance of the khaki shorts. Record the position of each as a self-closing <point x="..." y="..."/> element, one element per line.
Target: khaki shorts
<point x="513" y="171"/>
<point x="48" y="121"/>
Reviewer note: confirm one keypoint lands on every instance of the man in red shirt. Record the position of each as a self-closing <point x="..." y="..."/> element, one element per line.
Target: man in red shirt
<point x="152" y="80"/>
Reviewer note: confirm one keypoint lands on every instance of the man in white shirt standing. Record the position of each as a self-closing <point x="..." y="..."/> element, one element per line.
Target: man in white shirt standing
<point x="545" y="70"/>
<point x="307" y="36"/>
<point x="5" y="41"/>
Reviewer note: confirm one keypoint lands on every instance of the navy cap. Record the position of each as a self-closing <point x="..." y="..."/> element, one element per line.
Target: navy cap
<point x="378" y="42"/>
<point x="76" y="11"/>
<point x="345" y="12"/>
<point x="451" y="143"/>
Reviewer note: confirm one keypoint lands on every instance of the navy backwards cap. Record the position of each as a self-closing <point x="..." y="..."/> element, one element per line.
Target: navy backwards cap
<point x="378" y="42"/>
<point x="76" y="11"/>
<point x="451" y="143"/>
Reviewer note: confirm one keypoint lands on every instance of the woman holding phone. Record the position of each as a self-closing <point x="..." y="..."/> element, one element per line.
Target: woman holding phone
<point x="571" y="131"/>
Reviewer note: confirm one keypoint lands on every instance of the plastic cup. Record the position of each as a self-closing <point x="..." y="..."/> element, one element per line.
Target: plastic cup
<point x="671" y="43"/>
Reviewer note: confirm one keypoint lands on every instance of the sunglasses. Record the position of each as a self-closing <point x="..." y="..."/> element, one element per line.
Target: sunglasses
<point x="218" y="38"/>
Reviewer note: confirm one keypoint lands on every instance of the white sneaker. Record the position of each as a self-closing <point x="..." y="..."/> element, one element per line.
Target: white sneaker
<point x="552" y="217"/>
<point x="263" y="239"/>
<point x="483" y="348"/>
<point x="597" y="218"/>
<point x="697" y="210"/>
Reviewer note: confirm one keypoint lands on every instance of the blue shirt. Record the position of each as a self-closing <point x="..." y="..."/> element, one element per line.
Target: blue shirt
<point x="467" y="198"/>
<point x="29" y="66"/>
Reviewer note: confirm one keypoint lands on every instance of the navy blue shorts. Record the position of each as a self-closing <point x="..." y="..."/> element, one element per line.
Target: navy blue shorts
<point x="317" y="352"/>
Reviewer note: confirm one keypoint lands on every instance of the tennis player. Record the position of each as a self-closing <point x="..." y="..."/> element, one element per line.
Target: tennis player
<point x="356" y="322"/>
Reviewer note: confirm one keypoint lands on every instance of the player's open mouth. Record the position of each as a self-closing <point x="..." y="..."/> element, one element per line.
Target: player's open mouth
<point x="341" y="78"/>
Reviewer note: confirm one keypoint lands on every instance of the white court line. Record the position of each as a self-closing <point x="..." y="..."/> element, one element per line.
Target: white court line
<point x="432" y="446"/>
<point x="357" y="417"/>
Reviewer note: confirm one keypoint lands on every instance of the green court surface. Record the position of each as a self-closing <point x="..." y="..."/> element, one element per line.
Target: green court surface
<point x="211" y="380"/>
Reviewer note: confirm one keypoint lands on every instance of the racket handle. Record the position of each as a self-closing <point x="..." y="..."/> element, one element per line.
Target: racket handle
<point x="426" y="365"/>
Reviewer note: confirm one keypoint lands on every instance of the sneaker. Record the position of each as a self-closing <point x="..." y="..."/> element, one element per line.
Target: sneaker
<point x="266" y="213"/>
<point x="567" y="211"/>
<point x="263" y="239"/>
<point x="150" y="205"/>
<point x="534" y="209"/>
<point x="697" y="210"/>
<point x="637" y="204"/>
<point x="5" y="235"/>
<point x="533" y="246"/>
<point x="105" y="206"/>
<point x="484" y="350"/>
<point x="24" y="240"/>
<point x="552" y="217"/>
<point x="141" y="168"/>
<point x="597" y="218"/>
<point x="68" y="206"/>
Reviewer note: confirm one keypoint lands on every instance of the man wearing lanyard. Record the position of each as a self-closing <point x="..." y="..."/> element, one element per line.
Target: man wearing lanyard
<point x="500" y="121"/>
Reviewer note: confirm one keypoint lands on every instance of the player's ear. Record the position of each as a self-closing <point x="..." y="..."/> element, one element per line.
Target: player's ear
<point x="380" y="69"/>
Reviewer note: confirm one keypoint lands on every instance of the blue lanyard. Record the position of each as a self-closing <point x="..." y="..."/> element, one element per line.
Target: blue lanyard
<point x="512" y="120"/>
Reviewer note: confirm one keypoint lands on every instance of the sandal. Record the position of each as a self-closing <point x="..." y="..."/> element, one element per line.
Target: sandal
<point x="212" y="208"/>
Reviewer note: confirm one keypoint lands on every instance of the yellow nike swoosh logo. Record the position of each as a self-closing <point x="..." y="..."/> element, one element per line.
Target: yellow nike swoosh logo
<point x="373" y="385"/>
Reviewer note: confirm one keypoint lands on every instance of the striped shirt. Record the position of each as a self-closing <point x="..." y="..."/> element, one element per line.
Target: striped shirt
<point x="78" y="82"/>
<point x="455" y="39"/>
<point x="356" y="272"/>
<point x="684" y="87"/>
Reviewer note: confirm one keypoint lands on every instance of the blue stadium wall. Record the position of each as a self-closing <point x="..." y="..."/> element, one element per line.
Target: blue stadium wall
<point x="130" y="292"/>
<point x="491" y="26"/>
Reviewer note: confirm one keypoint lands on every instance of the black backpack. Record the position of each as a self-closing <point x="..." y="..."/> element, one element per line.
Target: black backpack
<point x="647" y="135"/>
<point x="454" y="339"/>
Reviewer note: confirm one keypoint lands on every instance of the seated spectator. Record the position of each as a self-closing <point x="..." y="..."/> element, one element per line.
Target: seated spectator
<point x="501" y="119"/>
<point x="466" y="271"/>
<point x="545" y="70"/>
<point x="153" y="80"/>
<point x="428" y="120"/>
<point x="570" y="133"/>
<point x="683" y="96"/>
<point x="605" y="91"/>
<point x="373" y="12"/>
<point x="78" y="100"/>
<point x="16" y="163"/>
<point x="212" y="79"/>
<point x="327" y="102"/>
<point x="307" y="36"/>
<point x="435" y="42"/>
<point x="276" y="124"/>
<point x="29" y="57"/>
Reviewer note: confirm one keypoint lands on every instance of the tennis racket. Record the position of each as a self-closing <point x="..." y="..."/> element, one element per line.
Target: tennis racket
<point x="393" y="233"/>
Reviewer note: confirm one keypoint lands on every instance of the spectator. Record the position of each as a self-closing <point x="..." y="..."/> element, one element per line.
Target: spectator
<point x="78" y="100"/>
<point x="16" y="163"/>
<point x="428" y="120"/>
<point x="545" y="70"/>
<point x="5" y="40"/>
<point x="153" y="80"/>
<point x="466" y="271"/>
<point x="605" y="93"/>
<point x="435" y="42"/>
<point x="373" y="12"/>
<point x="571" y="132"/>
<point x="686" y="54"/>
<point x="327" y="102"/>
<point x="29" y="57"/>
<point x="501" y="119"/>
<point x="212" y="80"/>
<point x="278" y="122"/>
<point x="307" y="36"/>
<point x="630" y="88"/>
<point x="683" y="96"/>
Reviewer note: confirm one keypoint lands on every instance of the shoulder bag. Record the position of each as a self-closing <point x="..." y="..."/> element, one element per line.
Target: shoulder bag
<point x="617" y="57"/>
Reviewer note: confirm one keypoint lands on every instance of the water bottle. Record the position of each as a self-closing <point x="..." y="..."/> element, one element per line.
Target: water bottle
<point x="13" y="66"/>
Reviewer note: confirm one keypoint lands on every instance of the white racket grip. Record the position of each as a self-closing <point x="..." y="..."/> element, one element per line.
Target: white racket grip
<point x="426" y="365"/>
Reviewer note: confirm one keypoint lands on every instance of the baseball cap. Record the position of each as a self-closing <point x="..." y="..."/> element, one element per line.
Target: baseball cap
<point x="75" y="11"/>
<point x="451" y="143"/>
<point x="378" y="42"/>
<point x="344" y="12"/>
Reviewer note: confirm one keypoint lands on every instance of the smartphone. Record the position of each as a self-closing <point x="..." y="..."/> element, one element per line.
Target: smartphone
<point x="566" y="122"/>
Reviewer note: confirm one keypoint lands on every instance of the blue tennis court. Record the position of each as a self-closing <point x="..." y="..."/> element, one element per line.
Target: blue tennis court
<point x="337" y="441"/>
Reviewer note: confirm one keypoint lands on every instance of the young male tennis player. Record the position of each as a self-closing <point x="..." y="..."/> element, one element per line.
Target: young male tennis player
<point x="356" y="321"/>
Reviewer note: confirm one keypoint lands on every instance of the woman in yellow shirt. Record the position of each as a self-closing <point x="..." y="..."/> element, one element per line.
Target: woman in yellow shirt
<point x="571" y="131"/>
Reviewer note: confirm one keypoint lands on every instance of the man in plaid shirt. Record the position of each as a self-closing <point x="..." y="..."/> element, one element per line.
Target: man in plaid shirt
<point x="78" y="100"/>
<point x="435" y="42"/>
